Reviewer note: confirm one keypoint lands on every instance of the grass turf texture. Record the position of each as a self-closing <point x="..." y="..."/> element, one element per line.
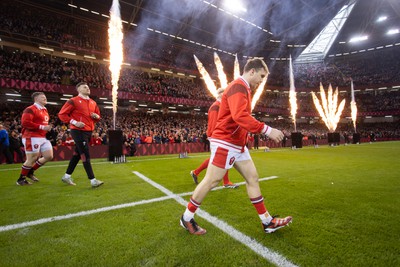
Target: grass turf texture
<point x="344" y="201"/>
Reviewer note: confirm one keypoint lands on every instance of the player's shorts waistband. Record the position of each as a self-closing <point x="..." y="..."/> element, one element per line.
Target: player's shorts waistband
<point x="225" y="144"/>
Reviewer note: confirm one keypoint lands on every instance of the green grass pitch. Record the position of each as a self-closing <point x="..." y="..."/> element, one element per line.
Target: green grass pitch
<point x="345" y="203"/>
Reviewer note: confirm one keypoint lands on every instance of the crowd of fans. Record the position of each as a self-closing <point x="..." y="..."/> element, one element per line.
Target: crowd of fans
<point x="144" y="128"/>
<point x="43" y="68"/>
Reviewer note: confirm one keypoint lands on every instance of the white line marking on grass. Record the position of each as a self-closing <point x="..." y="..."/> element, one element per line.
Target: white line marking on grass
<point x="221" y="187"/>
<point x="89" y="212"/>
<point x="80" y="214"/>
<point x="258" y="248"/>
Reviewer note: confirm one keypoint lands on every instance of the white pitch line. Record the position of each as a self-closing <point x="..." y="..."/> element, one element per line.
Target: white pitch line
<point x="255" y="246"/>
<point x="89" y="212"/>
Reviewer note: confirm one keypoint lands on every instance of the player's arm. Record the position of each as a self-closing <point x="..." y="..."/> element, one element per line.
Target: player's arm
<point x="96" y="114"/>
<point x="212" y="119"/>
<point x="238" y="103"/>
<point x="65" y="113"/>
<point x="237" y="100"/>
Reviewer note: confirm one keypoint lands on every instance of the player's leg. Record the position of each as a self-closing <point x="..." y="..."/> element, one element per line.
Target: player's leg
<point x="26" y="167"/>
<point x="249" y="172"/>
<point x="82" y="140"/>
<point x="47" y="154"/>
<point x="196" y="172"/>
<point x="213" y="176"/>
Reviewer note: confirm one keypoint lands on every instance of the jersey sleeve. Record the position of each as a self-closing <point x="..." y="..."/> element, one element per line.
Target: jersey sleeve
<point x="66" y="110"/>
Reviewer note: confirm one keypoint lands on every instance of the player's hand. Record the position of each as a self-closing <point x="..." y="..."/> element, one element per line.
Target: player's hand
<point x="80" y="124"/>
<point x="276" y="135"/>
<point x="94" y="116"/>
<point x="47" y="127"/>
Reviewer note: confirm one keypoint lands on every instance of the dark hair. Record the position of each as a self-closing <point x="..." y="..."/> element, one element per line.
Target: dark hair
<point x="35" y="94"/>
<point x="255" y="63"/>
<point x="79" y="84"/>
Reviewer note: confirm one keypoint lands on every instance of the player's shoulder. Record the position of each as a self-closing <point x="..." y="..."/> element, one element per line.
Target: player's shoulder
<point x="30" y="109"/>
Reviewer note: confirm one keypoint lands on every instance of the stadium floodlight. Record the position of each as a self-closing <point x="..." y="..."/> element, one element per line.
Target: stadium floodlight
<point x="381" y="18"/>
<point x="393" y="31"/>
<point x="235" y="5"/>
<point x="69" y="53"/>
<point x="10" y="94"/>
<point x="46" y="48"/>
<point x="358" y="39"/>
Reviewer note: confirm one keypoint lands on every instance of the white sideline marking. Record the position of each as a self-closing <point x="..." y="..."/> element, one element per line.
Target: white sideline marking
<point x="89" y="212"/>
<point x="258" y="248"/>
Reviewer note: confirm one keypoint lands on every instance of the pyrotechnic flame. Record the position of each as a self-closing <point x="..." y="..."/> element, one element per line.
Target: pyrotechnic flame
<point x="258" y="93"/>
<point x="207" y="79"/>
<point x="220" y="69"/>
<point x="329" y="111"/>
<point x="353" y="106"/>
<point x="292" y="95"/>
<point x="115" y="37"/>
<point x="222" y="77"/>
<point x="236" y="70"/>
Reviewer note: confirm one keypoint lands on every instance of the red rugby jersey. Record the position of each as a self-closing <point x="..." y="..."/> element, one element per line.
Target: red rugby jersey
<point x="32" y="119"/>
<point x="212" y="117"/>
<point x="234" y="116"/>
<point x="79" y="109"/>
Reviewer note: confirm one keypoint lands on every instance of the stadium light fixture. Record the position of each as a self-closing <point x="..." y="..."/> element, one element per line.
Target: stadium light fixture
<point x="90" y="57"/>
<point x="393" y="31"/>
<point x="235" y="5"/>
<point x="9" y="94"/>
<point x="381" y="18"/>
<point x="46" y="48"/>
<point x="69" y="53"/>
<point x="358" y="39"/>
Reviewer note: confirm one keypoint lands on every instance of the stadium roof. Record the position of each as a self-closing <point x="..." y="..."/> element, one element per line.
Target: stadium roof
<point x="269" y="29"/>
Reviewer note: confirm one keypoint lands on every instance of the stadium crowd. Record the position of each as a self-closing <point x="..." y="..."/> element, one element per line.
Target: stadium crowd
<point x="144" y="128"/>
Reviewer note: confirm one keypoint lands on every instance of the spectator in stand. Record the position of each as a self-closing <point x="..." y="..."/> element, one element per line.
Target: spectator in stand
<point x="5" y="144"/>
<point x="95" y="140"/>
<point x="38" y="150"/>
<point x="81" y="113"/>
<point x="15" y="146"/>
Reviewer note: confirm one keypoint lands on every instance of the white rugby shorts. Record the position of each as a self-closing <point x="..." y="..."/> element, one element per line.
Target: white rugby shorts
<point x="36" y="144"/>
<point x="224" y="154"/>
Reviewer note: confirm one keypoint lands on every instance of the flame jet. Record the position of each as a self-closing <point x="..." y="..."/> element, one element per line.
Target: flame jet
<point x="292" y="94"/>
<point x="220" y="68"/>
<point x="207" y="78"/>
<point x="115" y="37"/>
<point x="353" y="106"/>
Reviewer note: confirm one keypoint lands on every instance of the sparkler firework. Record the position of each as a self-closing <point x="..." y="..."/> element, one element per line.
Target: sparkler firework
<point x="115" y="37"/>
<point x="329" y="111"/>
